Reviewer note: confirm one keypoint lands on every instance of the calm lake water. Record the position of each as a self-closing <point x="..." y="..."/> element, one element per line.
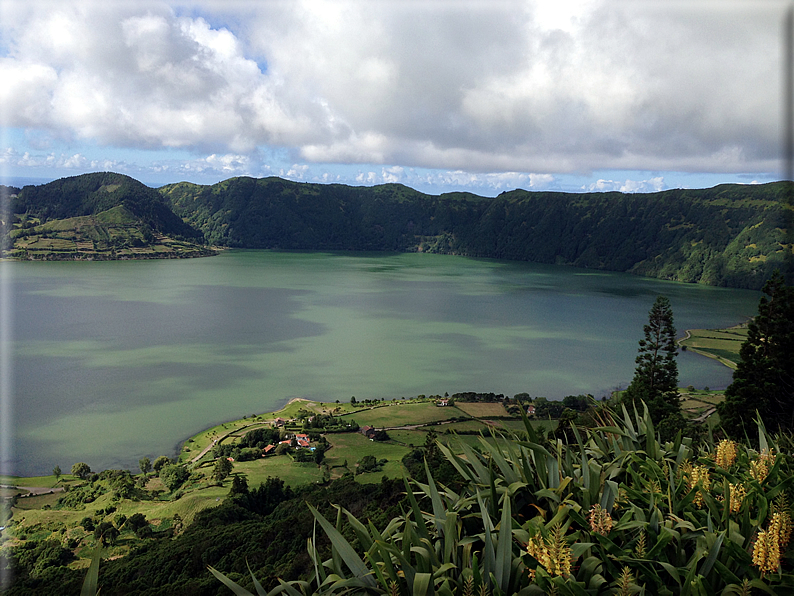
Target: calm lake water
<point x="119" y="360"/>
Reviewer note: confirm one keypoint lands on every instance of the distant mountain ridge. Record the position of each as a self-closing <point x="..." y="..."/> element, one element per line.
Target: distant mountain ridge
<point x="730" y="235"/>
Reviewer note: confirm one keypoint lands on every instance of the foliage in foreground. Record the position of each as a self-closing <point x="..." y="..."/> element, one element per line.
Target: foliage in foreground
<point x="613" y="512"/>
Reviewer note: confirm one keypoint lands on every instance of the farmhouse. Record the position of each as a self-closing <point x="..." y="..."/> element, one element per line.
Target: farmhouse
<point x="368" y="431"/>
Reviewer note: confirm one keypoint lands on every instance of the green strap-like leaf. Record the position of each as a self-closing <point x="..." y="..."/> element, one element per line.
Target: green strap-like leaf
<point x="504" y="548"/>
<point x="489" y="554"/>
<point x="346" y="552"/>
<point x="705" y="569"/>
<point x="495" y="452"/>
<point x="259" y="589"/>
<point x="419" y="518"/>
<point x="92" y="576"/>
<point x="361" y="531"/>
<point x="233" y="586"/>
<point x="435" y="500"/>
<point x="319" y="568"/>
<point x="423" y="584"/>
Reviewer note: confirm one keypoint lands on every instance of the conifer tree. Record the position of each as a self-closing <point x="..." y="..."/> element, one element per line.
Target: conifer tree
<point x="764" y="378"/>
<point x="656" y="377"/>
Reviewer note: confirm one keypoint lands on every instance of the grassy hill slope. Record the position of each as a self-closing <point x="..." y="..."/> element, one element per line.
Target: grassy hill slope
<point x="95" y="216"/>
<point x="90" y="194"/>
<point x="112" y="234"/>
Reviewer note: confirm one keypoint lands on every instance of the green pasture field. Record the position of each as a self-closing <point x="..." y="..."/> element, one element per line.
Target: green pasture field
<point x="353" y="446"/>
<point x="411" y="437"/>
<point x="482" y="410"/>
<point x="403" y="414"/>
<point x="35" y="522"/>
<point x="54" y="244"/>
<point x="698" y="402"/>
<point x="392" y="469"/>
<point x="92" y="235"/>
<point x="467" y="426"/>
<point x="39" y="481"/>
<point x="279" y="466"/>
<point x="721" y="344"/>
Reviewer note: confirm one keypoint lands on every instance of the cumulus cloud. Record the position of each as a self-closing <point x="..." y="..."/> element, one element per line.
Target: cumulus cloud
<point x="486" y="183"/>
<point x="650" y="185"/>
<point x="468" y="87"/>
<point x="75" y="161"/>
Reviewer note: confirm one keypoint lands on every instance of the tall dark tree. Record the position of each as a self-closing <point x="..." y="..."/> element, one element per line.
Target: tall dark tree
<point x="656" y="377"/>
<point x="223" y="467"/>
<point x="764" y="378"/>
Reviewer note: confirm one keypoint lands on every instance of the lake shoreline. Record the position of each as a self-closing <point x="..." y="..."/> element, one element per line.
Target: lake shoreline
<point x="104" y="349"/>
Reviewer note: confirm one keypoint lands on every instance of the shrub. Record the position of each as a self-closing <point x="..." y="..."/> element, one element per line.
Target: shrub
<point x="173" y="476"/>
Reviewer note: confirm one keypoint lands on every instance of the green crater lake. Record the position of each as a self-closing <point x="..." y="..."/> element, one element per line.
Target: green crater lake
<point x="113" y="361"/>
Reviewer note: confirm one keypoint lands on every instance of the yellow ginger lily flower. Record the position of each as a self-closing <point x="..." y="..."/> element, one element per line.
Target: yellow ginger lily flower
<point x="726" y="453"/>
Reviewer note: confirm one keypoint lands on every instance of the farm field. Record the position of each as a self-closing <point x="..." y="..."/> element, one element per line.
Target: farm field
<point x="482" y="410"/>
<point x="403" y="414"/>
<point x="721" y="344"/>
<point x="112" y="234"/>
<point x="353" y="446"/>
<point x="280" y="466"/>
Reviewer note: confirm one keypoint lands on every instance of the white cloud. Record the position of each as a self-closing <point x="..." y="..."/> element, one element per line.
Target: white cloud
<point x="474" y="87"/>
<point x="75" y="161"/>
<point x="650" y="185"/>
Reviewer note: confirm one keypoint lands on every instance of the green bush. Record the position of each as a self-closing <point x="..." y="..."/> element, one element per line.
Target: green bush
<point x="173" y="476"/>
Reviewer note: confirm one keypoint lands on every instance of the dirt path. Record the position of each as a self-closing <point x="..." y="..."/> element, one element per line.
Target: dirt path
<point x="704" y="415"/>
<point x="219" y="440"/>
<point x="34" y="490"/>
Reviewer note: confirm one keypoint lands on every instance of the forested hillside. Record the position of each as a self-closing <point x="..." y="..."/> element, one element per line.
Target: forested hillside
<point x="91" y="194"/>
<point x="730" y="235"/>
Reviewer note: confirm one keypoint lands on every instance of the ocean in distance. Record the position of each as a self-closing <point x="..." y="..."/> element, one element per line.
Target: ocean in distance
<point x="113" y="361"/>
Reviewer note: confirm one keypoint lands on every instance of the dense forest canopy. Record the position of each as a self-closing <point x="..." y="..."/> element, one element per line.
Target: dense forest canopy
<point x="730" y="235"/>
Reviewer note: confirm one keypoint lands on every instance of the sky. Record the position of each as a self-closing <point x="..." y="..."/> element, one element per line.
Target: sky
<point x="440" y="95"/>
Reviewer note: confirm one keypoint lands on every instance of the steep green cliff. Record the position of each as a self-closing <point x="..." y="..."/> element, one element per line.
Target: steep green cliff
<point x="729" y="235"/>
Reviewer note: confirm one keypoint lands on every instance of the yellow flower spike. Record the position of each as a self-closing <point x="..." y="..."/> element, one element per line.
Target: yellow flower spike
<point x="560" y="553"/>
<point x="639" y="548"/>
<point x="771" y="542"/>
<point x="699" y="477"/>
<point x="781" y="527"/>
<point x="759" y="468"/>
<point x="726" y="453"/>
<point x="552" y="553"/>
<point x="625" y="582"/>
<point x="600" y="520"/>
<point x="738" y="493"/>
<point x="685" y="469"/>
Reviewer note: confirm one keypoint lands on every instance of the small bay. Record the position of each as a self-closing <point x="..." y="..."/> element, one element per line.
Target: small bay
<point x="113" y="361"/>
